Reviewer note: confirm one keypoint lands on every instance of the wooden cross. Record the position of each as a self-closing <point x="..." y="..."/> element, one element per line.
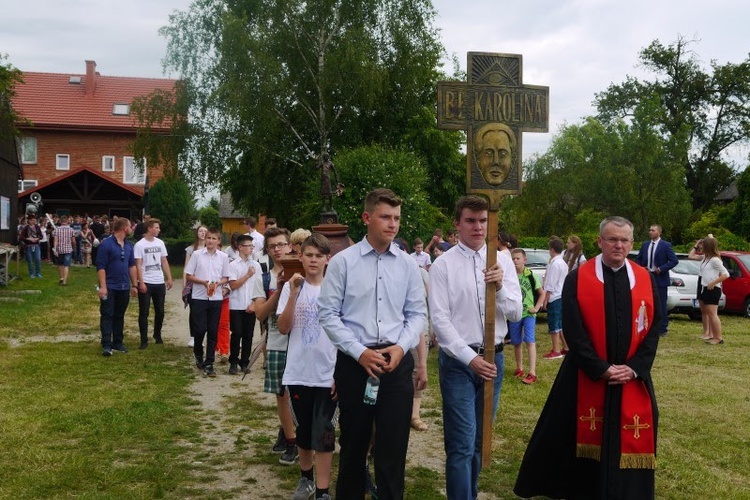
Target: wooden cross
<point x="495" y="108"/>
<point x="636" y="426"/>
<point x="592" y="418"/>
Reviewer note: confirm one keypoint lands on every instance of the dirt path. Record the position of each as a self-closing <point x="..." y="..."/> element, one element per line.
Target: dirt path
<point x="235" y="478"/>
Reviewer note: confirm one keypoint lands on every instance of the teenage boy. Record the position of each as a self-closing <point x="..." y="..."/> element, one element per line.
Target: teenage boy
<point x="152" y="265"/>
<point x="276" y="245"/>
<point x="372" y="307"/>
<point x="63" y="242"/>
<point x="208" y="269"/>
<point x="524" y="331"/>
<point x="31" y="235"/>
<point x="311" y="359"/>
<point x="243" y="273"/>
<point x="557" y="270"/>
<point x="420" y="256"/>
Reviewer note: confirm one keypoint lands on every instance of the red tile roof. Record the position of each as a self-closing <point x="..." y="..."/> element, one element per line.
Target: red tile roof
<point x="49" y="100"/>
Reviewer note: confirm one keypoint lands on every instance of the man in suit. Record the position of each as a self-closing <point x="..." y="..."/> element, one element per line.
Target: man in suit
<point x="658" y="257"/>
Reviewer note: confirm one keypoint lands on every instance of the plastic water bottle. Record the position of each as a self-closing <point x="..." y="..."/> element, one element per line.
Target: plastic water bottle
<point x="97" y="289"/>
<point x="371" y="390"/>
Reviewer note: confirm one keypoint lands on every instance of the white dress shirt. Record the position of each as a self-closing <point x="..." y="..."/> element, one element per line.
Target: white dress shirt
<point x="241" y="297"/>
<point x="554" y="280"/>
<point x="457" y="300"/>
<point x="210" y="267"/>
<point x="370" y="299"/>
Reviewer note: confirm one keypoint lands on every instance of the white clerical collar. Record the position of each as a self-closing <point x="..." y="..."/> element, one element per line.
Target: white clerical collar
<point x="600" y="270"/>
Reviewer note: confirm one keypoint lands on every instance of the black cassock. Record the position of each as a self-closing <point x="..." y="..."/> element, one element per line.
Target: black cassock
<point x="550" y="466"/>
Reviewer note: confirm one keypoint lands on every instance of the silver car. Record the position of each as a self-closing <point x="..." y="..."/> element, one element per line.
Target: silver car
<point x="683" y="288"/>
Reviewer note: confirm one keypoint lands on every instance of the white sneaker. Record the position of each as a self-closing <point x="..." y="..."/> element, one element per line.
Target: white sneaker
<point x="191" y="342"/>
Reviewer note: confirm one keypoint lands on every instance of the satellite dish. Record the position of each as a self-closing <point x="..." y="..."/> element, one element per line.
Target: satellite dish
<point x="35" y="197"/>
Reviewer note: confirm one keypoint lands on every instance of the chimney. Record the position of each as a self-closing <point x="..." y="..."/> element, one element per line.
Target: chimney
<point x="90" y="79"/>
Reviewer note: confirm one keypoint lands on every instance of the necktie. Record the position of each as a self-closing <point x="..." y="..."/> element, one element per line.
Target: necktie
<point x="651" y="256"/>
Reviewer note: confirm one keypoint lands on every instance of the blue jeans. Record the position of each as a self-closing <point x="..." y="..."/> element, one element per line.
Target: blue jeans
<point x="463" y="404"/>
<point x="34" y="260"/>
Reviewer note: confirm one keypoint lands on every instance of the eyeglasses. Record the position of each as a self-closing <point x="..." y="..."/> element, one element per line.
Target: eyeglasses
<point x="615" y="241"/>
<point x="277" y="245"/>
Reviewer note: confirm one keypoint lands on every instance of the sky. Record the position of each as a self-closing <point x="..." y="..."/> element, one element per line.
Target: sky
<point x="576" y="47"/>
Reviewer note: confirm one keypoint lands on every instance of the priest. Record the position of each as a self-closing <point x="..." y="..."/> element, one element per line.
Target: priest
<point x="596" y="436"/>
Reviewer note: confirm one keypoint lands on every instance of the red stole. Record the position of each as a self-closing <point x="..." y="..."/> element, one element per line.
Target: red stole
<point x="637" y="443"/>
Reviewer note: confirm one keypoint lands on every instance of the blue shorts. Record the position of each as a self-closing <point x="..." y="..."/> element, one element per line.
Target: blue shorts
<point x="64" y="259"/>
<point x="523" y="331"/>
<point x="554" y="316"/>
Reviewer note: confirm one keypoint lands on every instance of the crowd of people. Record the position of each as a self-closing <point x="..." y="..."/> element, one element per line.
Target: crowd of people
<point x="347" y="338"/>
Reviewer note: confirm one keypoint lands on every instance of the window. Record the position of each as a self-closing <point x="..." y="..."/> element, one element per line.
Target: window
<point x="25" y="184"/>
<point x="108" y="163"/>
<point x="63" y="162"/>
<point x="121" y="109"/>
<point x="28" y="150"/>
<point x="132" y="172"/>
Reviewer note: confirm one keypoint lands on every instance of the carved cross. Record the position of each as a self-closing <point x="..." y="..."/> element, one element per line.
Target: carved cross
<point x="592" y="419"/>
<point x="636" y="426"/>
<point x="495" y="108"/>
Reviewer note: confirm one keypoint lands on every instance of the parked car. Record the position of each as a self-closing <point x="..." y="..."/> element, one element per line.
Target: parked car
<point x="737" y="286"/>
<point x="537" y="260"/>
<point x="682" y="294"/>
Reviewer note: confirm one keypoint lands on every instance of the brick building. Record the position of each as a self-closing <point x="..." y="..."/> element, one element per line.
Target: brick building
<point x="76" y="149"/>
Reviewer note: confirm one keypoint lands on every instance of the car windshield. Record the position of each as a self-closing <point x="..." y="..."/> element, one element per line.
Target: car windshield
<point x="537" y="258"/>
<point x="687" y="267"/>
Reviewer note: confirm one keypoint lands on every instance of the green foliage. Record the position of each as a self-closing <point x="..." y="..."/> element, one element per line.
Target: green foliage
<point x="9" y="78"/>
<point x="209" y="217"/>
<point x="699" y="114"/>
<point x="363" y="169"/>
<point x="594" y="170"/>
<point x="739" y="220"/>
<point x="272" y="86"/>
<point x="176" y="250"/>
<point x="709" y="223"/>
<point x="171" y="202"/>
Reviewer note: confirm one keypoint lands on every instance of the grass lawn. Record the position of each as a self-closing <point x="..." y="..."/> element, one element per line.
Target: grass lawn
<point x="73" y="426"/>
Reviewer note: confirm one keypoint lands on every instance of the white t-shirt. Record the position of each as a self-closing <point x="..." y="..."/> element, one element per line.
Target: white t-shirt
<point x="554" y="280"/>
<point x="311" y="357"/>
<point x="275" y="340"/>
<point x="241" y="297"/>
<point x="151" y="253"/>
<point x="232" y="254"/>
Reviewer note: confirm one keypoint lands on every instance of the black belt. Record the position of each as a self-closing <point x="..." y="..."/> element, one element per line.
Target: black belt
<point x="479" y="349"/>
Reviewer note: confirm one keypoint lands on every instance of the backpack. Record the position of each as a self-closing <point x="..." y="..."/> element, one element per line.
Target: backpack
<point x="534" y="289"/>
<point x="266" y="276"/>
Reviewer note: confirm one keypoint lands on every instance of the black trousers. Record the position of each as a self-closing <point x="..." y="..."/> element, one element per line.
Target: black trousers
<point x="157" y="294"/>
<point x="392" y="418"/>
<point x="241" y="324"/>
<point x="112" y="319"/>
<point x="204" y="319"/>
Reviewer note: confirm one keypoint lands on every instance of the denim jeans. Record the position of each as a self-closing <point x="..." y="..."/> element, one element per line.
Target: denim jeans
<point x="157" y="293"/>
<point x="112" y="321"/>
<point x="463" y="404"/>
<point x="34" y="260"/>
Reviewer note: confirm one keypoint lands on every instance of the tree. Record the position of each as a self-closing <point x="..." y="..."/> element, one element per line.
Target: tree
<point x="363" y="169"/>
<point x="700" y="114"/>
<point x="209" y="217"/>
<point x="272" y="86"/>
<point x="171" y="202"/>
<point x="595" y="169"/>
<point x="9" y="78"/>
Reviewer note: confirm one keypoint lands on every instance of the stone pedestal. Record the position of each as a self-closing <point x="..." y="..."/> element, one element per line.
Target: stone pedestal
<point x="337" y="234"/>
<point x="329" y="217"/>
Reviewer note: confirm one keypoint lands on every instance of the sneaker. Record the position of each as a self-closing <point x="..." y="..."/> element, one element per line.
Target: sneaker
<point x="280" y="445"/>
<point x="107" y="352"/>
<point x="198" y="363"/>
<point x="32" y="276"/>
<point x="191" y="342"/>
<point x="289" y="456"/>
<point x="158" y="339"/>
<point x="518" y="373"/>
<point x="305" y="489"/>
<point x="120" y="348"/>
<point x="208" y="371"/>
<point x="564" y="352"/>
<point x="39" y="275"/>
<point x="245" y="369"/>
<point x="553" y="355"/>
<point x="234" y="369"/>
<point x="143" y="345"/>
<point x="529" y="379"/>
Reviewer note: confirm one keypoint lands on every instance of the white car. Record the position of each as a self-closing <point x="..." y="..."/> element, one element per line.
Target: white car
<point x="537" y="260"/>
<point x="683" y="288"/>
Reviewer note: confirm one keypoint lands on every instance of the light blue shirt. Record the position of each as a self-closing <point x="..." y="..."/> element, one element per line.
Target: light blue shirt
<point x="370" y="299"/>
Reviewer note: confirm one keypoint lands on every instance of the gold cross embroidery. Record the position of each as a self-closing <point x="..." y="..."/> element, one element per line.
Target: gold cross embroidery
<point x="592" y="418"/>
<point x="636" y="426"/>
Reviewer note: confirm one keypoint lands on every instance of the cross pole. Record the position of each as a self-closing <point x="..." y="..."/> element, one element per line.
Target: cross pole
<point x="495" y="108"/>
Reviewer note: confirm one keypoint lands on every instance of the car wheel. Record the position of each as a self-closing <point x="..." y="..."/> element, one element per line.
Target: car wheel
<point x="746" y="308"/>
<point x="695" y="315"/>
